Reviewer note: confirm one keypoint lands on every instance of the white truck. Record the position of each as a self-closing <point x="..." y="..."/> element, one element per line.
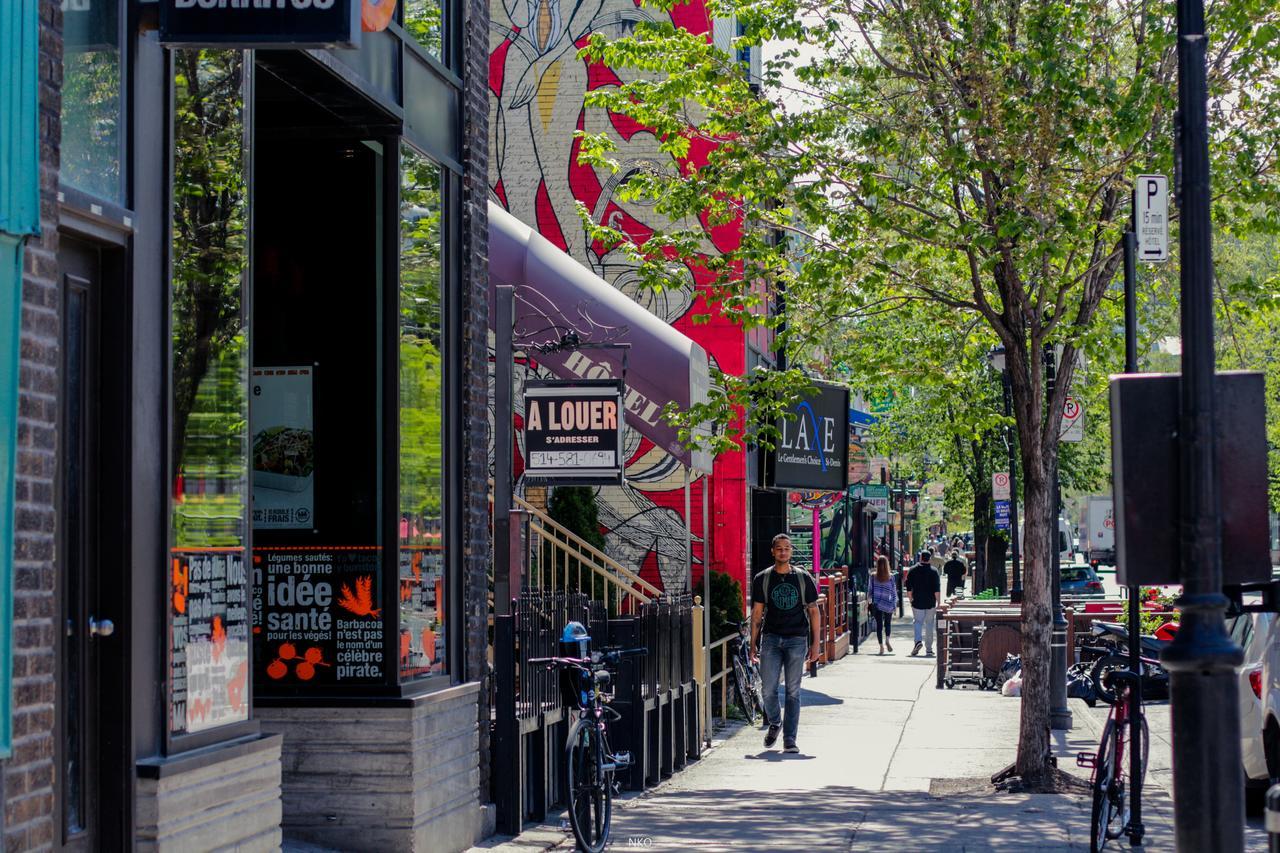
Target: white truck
<point x="1098" y="538"/>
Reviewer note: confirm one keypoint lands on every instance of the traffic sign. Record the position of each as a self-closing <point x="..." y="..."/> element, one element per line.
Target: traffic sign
<point x="1000" y="486"/>
<point x="1072" y="420"/>
<point x="1151" y="217"/>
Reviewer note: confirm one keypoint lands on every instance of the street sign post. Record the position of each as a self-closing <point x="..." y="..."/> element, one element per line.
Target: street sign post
<point x="1072" y="420"/>
<point x="1151" y="217"/>
<point x="1000" y="486"/>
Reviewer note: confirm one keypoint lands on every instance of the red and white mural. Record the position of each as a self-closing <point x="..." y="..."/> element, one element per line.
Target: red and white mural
<point x="538" y="86"/>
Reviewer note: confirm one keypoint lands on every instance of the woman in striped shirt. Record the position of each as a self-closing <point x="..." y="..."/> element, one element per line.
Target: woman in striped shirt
<point x="884" y="598"/>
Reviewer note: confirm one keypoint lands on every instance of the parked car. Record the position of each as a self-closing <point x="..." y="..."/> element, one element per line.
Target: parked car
<point x="1261" y="673"/>
<point x="1080" y="579"/>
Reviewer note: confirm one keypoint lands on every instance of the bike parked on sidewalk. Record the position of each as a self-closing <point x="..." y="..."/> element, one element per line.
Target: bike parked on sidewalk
<point x="1112" y="783"/>
<point x="585" y="684"/>
<point x="747" y="687"/>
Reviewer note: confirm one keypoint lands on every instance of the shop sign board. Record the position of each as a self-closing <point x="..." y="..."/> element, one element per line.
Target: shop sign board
<point x="1000" y="486"/>
<point x="1003" y="515"/>
<point x="260" y="23"/>
<point x="573" y="431"/>
<point x="811" y="449"/>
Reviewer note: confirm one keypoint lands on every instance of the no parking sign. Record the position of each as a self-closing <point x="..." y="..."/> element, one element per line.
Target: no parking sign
<point x="1072" y="420"/>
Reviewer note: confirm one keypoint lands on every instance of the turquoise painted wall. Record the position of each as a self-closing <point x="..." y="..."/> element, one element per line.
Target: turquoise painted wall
<point x="19" y="217"/>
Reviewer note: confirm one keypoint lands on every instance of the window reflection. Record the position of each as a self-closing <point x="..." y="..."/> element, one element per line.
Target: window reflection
<point x="422" y="573"/>
<point x="209" y="432"/>
<point x="424" y="20"/>
<point x="91" y="100"/>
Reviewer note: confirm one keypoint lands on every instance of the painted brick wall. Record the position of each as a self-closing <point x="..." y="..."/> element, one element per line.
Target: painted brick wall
<point x="475" y="357"/>
<point x="538" y="87"/>
<point x="29" y="818"/>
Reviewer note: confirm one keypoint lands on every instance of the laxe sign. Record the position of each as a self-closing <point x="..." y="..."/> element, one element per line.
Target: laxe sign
<point x="260" y="23"/>
<point x="573" y="431"/>
<point x="812" y="448"/>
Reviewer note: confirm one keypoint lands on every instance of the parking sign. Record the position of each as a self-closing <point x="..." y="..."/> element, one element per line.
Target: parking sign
<point x="1151" y="217"/>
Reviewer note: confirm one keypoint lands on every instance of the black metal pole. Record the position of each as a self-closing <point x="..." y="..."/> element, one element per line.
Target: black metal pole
<point x="1015" y="590"/>
<point x="1136" y="829"/>
<point x="1202" y="657"/>
<point x="504" y="324"/>
<point x="1059" y="713"/>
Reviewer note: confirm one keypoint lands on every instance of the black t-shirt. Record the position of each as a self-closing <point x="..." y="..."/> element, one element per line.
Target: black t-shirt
<point x="789" y="593"/>
<point x="954" y="570"/>
<point x="923" y="581"/>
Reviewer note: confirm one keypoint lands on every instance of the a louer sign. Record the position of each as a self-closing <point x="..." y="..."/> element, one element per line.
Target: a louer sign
<point x="812" y="448"/>
<point x="258" y="23"/>
<point x="573" y="431"/>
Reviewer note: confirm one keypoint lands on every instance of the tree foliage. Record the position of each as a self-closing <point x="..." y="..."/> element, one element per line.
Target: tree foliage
<point x="972" y="155"/>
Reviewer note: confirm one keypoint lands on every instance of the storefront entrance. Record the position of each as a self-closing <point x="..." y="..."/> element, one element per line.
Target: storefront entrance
<point x="93" y="645"/>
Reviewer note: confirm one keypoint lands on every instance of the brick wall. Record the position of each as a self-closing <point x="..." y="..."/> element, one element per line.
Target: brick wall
<point x="475" y="357"/>
<point x="29" y="818"/>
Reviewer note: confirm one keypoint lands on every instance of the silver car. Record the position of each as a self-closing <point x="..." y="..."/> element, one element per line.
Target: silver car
<point x="1254" y="632"/>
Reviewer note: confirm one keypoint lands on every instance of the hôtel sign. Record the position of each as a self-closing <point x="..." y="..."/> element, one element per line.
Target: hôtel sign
<point x="573" y="431"/>
<point x="261" y="23"/>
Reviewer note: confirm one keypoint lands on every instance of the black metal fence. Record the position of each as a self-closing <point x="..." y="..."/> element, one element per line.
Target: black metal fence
<point x="655" y="694"/>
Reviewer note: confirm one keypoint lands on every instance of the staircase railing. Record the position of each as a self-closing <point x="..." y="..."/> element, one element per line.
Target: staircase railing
<point x="557" y="558"/>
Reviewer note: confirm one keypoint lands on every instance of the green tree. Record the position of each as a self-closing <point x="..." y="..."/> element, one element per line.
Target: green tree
<point x="970" y="154"/>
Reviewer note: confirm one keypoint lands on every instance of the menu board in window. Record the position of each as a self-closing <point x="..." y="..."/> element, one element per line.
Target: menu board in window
<point x="209" y="642"/>
<point x="284" y="457"/>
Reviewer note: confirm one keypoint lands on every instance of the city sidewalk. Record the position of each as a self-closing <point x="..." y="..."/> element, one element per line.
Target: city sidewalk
<point x="887" y="763"/>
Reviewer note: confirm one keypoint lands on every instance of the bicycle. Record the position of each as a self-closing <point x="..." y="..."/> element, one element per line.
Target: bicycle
<point x="1114" y="682"/>
<point x="747" y="687"/>
<point x="590" y="762"/>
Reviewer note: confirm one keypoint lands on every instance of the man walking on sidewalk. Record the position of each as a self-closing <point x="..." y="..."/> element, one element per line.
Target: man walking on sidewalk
<point x="784" y="636"/>
<point x="926" y="593"/>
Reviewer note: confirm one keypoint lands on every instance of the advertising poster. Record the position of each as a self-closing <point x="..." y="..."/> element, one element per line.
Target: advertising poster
<point x="280" y="418"/>
<point x="209" y="645"/>
<point x="422" y="613"/>
<point x="877" y="497"/>
<point x="317" y="615"/>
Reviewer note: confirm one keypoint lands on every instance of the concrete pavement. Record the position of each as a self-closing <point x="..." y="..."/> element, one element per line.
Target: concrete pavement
<point x="887" y="763"/>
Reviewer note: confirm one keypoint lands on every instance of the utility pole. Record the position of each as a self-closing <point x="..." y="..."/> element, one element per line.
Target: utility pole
<point x="1136" y="751"/>
<point x="1202" y="657"/>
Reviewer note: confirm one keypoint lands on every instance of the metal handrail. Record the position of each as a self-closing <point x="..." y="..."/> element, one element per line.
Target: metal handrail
<point x="612" y="583"/>
<point x="593" y="554"/>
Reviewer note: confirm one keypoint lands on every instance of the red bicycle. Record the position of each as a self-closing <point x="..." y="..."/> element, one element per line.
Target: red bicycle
<point x="1111" y="783"/>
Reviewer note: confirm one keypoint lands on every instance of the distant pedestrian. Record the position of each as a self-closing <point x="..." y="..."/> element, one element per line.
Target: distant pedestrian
<point x="784" y="636"/>
<point x="926" y="594"/>
<point x="955" y="571"/>
<point x="884" y="598"/>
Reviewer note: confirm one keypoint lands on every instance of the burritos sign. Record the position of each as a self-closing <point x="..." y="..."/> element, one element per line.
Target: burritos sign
<point x="812" y="447"/>
<point x="573" y="432"/>
<point x="260" y="23"/>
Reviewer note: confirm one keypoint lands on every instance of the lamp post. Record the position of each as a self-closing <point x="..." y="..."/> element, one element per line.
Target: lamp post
<point x="1202" y="657"/>
<point x="996" y="359"/>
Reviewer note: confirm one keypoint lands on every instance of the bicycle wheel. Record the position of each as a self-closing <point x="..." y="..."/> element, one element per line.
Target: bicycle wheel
<point x="755" y="688"/>
<point x="1104" y="779"/>
<point x="1100" y="668"/>
<point x="590" y="789"/>
<point x="742" y="692"/>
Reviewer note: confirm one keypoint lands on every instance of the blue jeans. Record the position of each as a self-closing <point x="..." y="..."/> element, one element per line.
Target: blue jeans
<point x="782" y="656"/>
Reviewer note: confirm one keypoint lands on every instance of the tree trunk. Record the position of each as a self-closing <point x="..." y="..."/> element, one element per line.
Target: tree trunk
<point x="1027" y="376"/>
<point x="981" y="533"/>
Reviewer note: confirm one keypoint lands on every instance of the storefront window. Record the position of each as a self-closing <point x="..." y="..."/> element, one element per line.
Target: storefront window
<point x="422" y="567"/>
<point x="208" y="580"/>
<point x="92" y="109"/>
<point x="424" y="20"/>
